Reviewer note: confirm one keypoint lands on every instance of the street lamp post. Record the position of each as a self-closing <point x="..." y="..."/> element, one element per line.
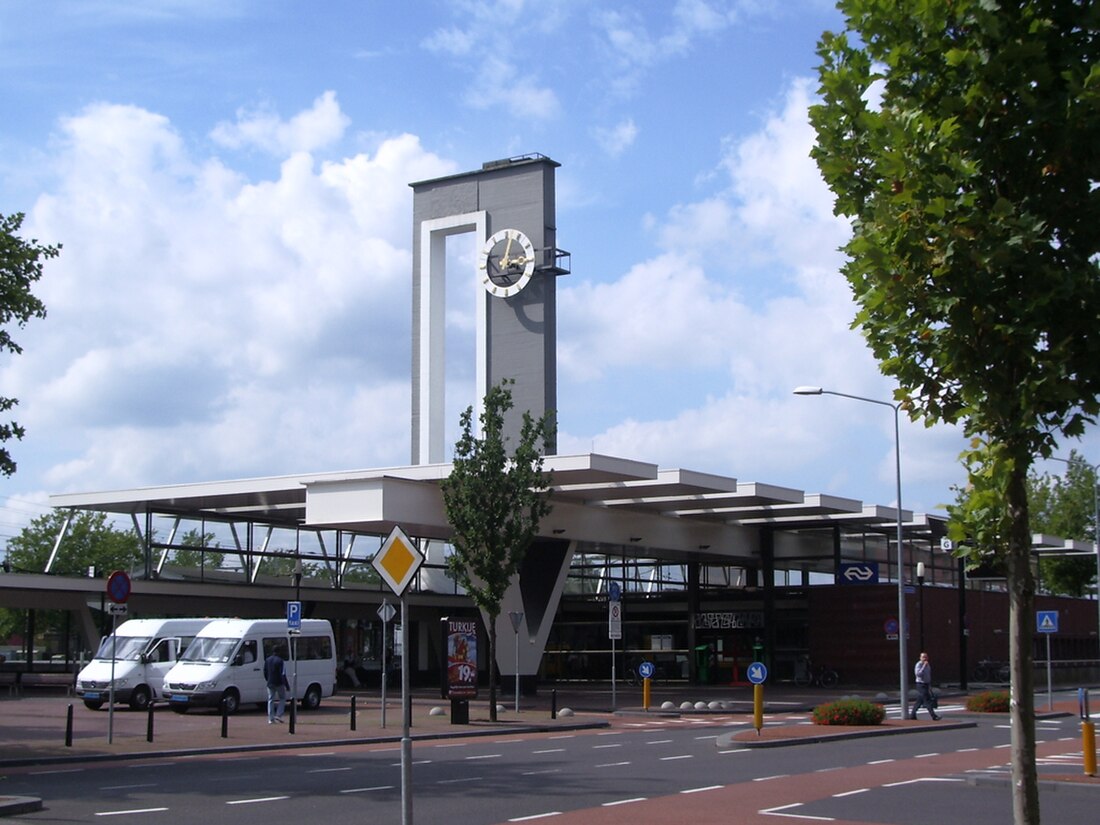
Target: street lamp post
<point x="920" y="591"/>
<point x="903" y="660"/>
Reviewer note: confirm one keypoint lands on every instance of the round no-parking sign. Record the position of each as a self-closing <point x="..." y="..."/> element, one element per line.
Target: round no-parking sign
<point x="118" y="587"/>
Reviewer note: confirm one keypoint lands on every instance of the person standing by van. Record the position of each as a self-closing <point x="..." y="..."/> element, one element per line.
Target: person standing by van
<point x="275" y="676"/>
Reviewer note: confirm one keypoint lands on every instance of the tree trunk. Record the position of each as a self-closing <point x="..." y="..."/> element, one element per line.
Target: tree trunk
<point x="492" y="668"/>
<point x="1021" y="618"/>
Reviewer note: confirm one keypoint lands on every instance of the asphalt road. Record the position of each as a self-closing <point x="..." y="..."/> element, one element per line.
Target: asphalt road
<point x="640" y="771"/>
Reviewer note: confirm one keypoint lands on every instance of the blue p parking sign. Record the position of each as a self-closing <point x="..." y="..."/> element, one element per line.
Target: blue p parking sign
<point x="294" y="615"/>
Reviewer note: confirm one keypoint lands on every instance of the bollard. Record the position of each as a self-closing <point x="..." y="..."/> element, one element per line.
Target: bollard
<point x="1088" y="732"/>
<point x="554" y="703"/>
<point x="69" y="727"/>
<point x="758" y="707"/>
<point x="149" y="725"/>
<point x="293" y="715"/>
<point x="353" y="712"/>
<point x="225" y="720"/>
<point x="1088" y="746"/>
<point x="645" y="693"/>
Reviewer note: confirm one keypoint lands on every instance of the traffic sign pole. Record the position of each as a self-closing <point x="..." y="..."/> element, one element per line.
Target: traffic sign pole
<point x="1046" y="622"/>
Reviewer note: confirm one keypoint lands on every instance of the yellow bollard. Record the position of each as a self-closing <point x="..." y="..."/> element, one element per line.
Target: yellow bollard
<point x="758" y="707"/>
<point x="1088" y="746"/>
<point x="645" y="693"/>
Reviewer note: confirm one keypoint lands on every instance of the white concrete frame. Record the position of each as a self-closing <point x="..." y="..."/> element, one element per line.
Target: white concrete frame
<point x="431" y="335"/>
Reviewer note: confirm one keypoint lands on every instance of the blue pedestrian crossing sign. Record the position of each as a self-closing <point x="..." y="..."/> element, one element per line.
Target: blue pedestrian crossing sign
<point x="757" y="673"/>
<point x="293" y="615"/>
<point x="1046" y="621"/>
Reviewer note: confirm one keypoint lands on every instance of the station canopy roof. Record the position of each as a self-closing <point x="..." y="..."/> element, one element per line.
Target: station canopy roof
<point x="632" y="506"/>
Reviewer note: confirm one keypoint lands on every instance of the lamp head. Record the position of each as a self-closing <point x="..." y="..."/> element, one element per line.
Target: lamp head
<point x="808" y="391"/>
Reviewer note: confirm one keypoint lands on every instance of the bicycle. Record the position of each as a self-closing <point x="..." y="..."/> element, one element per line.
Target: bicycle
<point x="806" y="674"/>
<point x="989" y="670"/>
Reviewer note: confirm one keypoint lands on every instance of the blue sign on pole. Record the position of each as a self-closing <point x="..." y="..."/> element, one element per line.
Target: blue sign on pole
<point x="646" y="670"/>
<point x="1046" y="621"/>
<point x="757" y="673"/>
<point x="294" y="615"/>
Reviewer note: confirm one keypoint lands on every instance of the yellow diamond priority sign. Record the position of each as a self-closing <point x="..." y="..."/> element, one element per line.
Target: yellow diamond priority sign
<point x="397" y="561"/>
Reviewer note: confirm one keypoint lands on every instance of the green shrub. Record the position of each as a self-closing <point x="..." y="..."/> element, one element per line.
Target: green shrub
<point x="992" y="701"/>
<point x="849" y="712"/>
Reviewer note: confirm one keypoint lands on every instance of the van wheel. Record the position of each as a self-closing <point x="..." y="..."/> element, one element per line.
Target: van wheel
<point x="93" y="704"/>
<point x="231" y="701"/>
<point x="312" y="699"/>
<point x="140" y="699"/>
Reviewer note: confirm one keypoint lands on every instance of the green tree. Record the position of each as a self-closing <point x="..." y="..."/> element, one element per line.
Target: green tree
<point x="494" y="502"/>
<point x="1065" y="506"/>
<point x="962" y="137"/>
<point x="202" y="555"/>
<point x="20" y="267"/>
<point x="89" y="541"/>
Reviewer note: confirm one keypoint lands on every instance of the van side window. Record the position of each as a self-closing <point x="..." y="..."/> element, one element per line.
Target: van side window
<point x="272" y="644"/>
<point x="248" y="651"/>
<point x="185" y="642"/>
<point x="159" y="653"/>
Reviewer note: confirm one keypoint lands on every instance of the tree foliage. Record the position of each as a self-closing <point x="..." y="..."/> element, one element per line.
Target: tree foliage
<point x="1065" y="506"/>
<point x="20" y="267"/>
<point x="962" y="137"/>
<point x="494" y="502"/>
<point x="89" y="541"/>
<point x="198" y="550"/>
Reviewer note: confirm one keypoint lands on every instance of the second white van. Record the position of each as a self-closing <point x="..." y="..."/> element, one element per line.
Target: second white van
<point x="224" y="666"/>
<point x="143" y="650"/>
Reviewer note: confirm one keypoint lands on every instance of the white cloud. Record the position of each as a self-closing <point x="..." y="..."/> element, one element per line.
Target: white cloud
<point x="198" y="320"/>
<point x="308" y="131"/>
<point x="618" y="138"/>
<point x="745" y="299"/>
<point x="500" y="85"/>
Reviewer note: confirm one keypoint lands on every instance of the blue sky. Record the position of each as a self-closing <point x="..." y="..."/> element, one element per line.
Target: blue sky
<point x="230" y="183"/>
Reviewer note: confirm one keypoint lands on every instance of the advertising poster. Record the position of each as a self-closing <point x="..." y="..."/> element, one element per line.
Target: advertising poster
<point x="461" y="646"/>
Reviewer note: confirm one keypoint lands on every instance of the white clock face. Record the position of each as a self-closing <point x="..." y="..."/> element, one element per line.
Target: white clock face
<point x="507" y="262"/>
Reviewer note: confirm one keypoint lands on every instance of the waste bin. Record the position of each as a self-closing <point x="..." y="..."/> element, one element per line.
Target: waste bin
<point x="460" y="711"/>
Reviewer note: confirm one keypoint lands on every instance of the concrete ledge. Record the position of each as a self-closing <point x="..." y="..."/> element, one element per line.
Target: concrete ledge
<point x="16" y="805"/>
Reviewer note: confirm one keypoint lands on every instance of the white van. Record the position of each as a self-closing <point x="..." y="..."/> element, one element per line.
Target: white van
<point x="144" y="650"/>
<point x="225" y="664"/>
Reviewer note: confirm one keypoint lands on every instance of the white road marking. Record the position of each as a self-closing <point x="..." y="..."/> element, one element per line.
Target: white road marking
<point x="131" y="811"/>
<point x="367" y="790"/>
<point x="257" y="799"/>
<point x="535" y="816"/>
<point x="704" y="788"/>
<point x="622" y="802"/>
<point x="782" y="811"/>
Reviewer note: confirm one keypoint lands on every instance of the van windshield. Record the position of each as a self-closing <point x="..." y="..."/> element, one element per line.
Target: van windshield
<point x="209" y="649"/>
<point x="125" y="648"/>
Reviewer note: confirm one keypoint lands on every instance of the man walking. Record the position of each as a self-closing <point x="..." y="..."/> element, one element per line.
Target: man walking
<point x="923" y="673"/>
<point x="275" y="676"/>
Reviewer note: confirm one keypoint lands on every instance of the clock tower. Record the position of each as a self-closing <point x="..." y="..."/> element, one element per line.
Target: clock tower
<point x="509" y="206"/>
